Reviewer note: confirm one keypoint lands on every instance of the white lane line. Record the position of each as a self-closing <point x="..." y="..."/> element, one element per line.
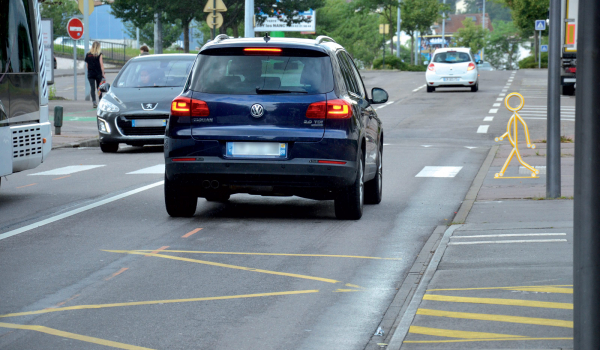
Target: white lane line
<point x="419" y="88"/>
<point x="439" y="171"/>
<point x="504" y="90"/>
<point x="510" y="241"/>
<point x="157" y="169"/>
<point x="425" y="146"/>
<point x="389" y="103"/>
<point x="493" y="110"/>
<point x="496" y="105"/>
<point x="512" y="235"/>
<point x="502" y="95"/>
<point x="470" y="147"/>
<point x="483" y="129"/>
<point x="499" y="99"/>
<point x="67" y="170"/>
<point x="488" y="119"/>
<point x="77" y="211"/>
<point x="545" y="107"/>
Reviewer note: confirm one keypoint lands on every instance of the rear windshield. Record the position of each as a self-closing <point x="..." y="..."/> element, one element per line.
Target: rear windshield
<point x="155" y="73"/>
<point x="250" y="75"/>
<point x="452" y="57"/>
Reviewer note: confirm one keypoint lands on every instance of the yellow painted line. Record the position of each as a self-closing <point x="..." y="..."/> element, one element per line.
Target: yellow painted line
<point x="450" y="333"/>
<point x="154" y="302"/>
<point x="497" y="318"/>
<point x="157" y="250"/>
<point x="328" y="280"/>
<point x="345" y="290"/>
<point x="27" y="185"/>
<point x="494" y="301"/>
<point x="84" y="338"/>
<point x="278" y="254"/>
<point x="117" y="273"/>
<point x="191" y="232"/>
<point x="62" y="177"/>
<point x="546" y="290"/>
<point x="473" y="340"/>
<point x="353" y="285"/>
<point x="508" y="288"/>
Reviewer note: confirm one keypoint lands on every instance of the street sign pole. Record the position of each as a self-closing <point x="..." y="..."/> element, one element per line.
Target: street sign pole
<point x="444" y="27"/>
<point x="249" y="19"/>
<point x="75" y="29"/>
<point x="540" y="53"/>
<point x="398" y="22"/>
<point x="86" y="44"/>
<point x="483" y="26"/>
<point x="586" y="220"/>
<point x="553" y="122"/>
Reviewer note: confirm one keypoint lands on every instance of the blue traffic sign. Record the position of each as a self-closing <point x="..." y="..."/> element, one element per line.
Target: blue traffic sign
<point x="544" y="48"/>
<point x="540" y="24"/>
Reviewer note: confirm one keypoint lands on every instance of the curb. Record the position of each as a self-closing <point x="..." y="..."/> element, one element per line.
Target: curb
<point x="467" y="204"/>
<point x="93" y="142"/>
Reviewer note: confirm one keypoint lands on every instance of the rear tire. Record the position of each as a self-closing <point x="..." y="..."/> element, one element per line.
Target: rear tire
<point x="109" y="147"/>
<point x="475" y="87"/>
<point x="374" y="188"/>
<point x="179" y="203"/>
<point x="568" y="90"/>
<point x="349" y="201"/>
<point x="430" y="89"/>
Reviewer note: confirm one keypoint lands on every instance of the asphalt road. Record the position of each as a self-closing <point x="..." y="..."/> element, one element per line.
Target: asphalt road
<point x="90" y="259"/>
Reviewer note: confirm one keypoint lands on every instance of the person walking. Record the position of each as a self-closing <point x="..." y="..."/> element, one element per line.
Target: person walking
<point x="144" y="50"/>
<point x="95" y="69"/>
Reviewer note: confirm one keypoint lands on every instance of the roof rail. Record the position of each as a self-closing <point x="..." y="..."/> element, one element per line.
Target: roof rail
<point x="322" y="38"/>
<point x="220" y="38"/>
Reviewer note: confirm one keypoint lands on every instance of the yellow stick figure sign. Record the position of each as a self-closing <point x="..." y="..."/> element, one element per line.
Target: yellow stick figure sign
<point x="512" y="132"/>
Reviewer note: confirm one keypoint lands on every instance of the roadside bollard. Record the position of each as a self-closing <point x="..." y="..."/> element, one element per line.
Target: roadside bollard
<point x="512" y="132"/>
<point x="58" y="119"/>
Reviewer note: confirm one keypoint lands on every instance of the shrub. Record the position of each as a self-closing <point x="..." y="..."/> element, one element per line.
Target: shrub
<point x="394" y="62"/>
<point x="531" y="61"/>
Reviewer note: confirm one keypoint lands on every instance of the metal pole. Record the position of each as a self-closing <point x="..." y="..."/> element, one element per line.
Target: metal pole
<point x="86" y="43"/>
<point x="74" y="70"/>
<point x="586" y="221"/>
<point x="416" y="47"/>
<point x="137" y="38"/>
<point x="553" y="128"/>
<point x="540" y="50"/>
<point x="483" y="26"/>
<point x="444" y="27"/>
<point x="398" y="22"/>
<point x="249" y="19"/>
<point x="214" y="20"/>
<point x="383" y="44"/>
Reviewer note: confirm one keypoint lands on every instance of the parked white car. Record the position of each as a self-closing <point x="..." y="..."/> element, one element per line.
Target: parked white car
<point x="452" y="67"/>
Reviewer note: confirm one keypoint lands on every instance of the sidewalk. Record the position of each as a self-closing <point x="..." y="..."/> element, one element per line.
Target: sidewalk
<point x="79" y="124"/>
<point x="503" y="279"/>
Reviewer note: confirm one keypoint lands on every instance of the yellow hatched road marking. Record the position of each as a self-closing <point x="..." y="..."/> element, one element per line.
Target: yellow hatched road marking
<point x="69" y="335"/>
<point x="497" y="318"/>
<point x="328" y="280"/>
<point x="494" y="301"/>
<point x="450" y="333"/>
<point x="546" y="289"/>
<point x="277" y="254"/>
<point x="154" y="302"/>
<point x="473" y="340"/>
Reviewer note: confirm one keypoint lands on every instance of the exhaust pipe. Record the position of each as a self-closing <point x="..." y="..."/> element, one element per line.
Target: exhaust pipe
<point x="214" y="184"/>
<point x="206" y="184"/>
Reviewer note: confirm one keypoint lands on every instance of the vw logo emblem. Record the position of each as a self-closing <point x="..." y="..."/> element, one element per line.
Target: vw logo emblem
<point x="257" y="110"/>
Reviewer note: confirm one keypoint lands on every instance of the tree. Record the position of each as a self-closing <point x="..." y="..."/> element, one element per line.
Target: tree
<point x="419" y="15"/>
<point x="471" y="35"/>
<point x="60" y="12"/>
<point x="525" y="12"/>
<point x="497" y="10"/>
<point x="171" y="33"/>
<point x="184" y="11"/>
<point x="502" y="49"/>
<point x="286" y="10"/>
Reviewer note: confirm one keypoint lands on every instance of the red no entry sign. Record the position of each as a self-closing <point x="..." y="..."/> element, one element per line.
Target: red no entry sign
<point x="75" y="28"/>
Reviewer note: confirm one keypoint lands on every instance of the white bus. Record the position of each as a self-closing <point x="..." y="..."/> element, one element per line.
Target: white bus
<point x="25" y="131"/>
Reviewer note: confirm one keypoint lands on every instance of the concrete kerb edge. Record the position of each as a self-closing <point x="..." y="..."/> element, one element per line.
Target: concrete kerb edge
<point x="93" y="142"/>
<point x="408" y="316"/>
<point x="467" y="204"/>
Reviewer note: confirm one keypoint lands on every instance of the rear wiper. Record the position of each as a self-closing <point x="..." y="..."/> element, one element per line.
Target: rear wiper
<point x="274" y="91"/>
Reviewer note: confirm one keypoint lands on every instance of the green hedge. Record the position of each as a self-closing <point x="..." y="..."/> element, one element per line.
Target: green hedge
<point x="532" y="62"/>
<point x="393" y="62"/>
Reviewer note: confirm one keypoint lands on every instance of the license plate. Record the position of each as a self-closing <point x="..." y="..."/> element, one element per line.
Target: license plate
<point x="144" y="123"/>
<point x="257" y="149"/>
<point x="450" y="79"/>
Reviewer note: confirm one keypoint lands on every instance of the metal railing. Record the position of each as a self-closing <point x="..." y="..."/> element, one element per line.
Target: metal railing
<point x="113" y="52"/>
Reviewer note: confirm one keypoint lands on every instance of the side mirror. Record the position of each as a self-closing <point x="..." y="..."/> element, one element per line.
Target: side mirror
<point x="378" y="96"/>
<point x="104" y="87"/>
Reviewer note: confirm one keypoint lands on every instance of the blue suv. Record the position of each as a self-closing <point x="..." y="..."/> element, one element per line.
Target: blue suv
<point x="274" y="117"/>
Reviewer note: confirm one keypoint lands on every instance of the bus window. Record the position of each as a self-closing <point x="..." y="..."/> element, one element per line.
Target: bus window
<point x="20" y="37"/>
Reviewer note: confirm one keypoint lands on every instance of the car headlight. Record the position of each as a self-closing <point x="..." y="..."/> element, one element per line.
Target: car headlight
<point x="106" y="106"/>
<point x="103" y="126"/>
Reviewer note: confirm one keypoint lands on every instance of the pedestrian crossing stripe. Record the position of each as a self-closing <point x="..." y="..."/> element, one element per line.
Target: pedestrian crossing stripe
<point x="439" y="171"/>
<point x="67" y="170"/>
<point x="156" y="169"/>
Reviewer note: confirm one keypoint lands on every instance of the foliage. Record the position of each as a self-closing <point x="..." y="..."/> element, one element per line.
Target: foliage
<point x="525" y="12"/>
<point x="386" y="8"/>
<point x="171" y="33"/>
<point x="496" y="10"/>
<point x="470" y="35"/>
<point x="393" y="62"/>
<point x="532" y="62"/>
<point x="419" y="15"/>
<point x="287" y="9"/>
<point x="60" y="12"/>
<point x="502" y="49"/>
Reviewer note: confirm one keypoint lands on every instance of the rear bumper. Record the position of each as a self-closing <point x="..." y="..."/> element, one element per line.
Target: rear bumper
<point x="287" y="174"/>
<point x="467" y="79"/>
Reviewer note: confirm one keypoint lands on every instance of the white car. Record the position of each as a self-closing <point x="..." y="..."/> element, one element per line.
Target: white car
<point x="452" y="67"/>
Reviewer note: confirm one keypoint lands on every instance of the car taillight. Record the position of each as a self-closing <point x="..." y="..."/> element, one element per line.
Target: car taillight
<point x="572" y="70"/>
<point x="431" y="67"/>
<point x="471" y="66"/>
<point x="262" y="51"/>
<point x="189" y="107"/>
<point x="334" y="109"/>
